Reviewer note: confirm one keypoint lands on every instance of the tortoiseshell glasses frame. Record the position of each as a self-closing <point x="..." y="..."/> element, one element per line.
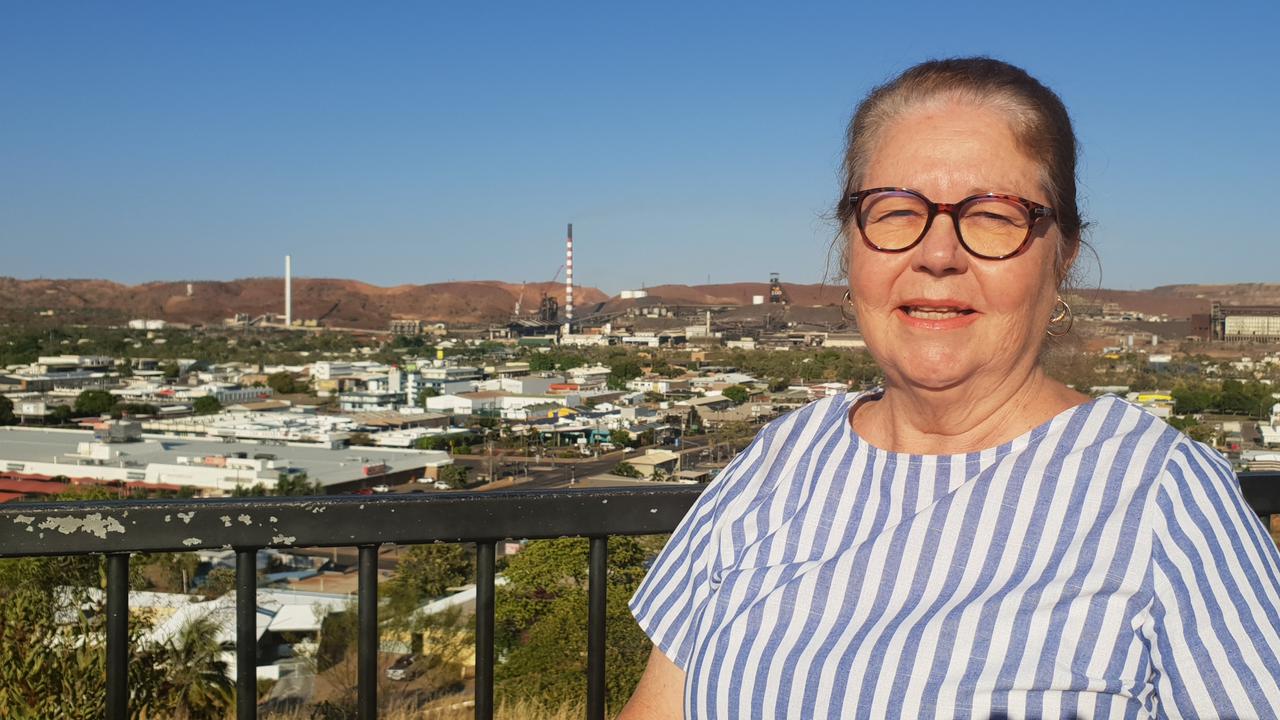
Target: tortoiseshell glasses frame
<point x="1000" y="242"/>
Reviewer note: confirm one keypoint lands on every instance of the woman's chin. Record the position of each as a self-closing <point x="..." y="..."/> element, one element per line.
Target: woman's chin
<point x="937" y="373"/>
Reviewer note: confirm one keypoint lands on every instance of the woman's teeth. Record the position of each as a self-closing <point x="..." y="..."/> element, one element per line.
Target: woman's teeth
<point x="935" y="313"/>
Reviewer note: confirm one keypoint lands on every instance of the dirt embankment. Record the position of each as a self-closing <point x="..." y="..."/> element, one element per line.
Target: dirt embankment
<point x="350" y="303"/>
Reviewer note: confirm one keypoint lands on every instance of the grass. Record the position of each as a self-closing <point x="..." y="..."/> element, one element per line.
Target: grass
<point x="457" y="707"/>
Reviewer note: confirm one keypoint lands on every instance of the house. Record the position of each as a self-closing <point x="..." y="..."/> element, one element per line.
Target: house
<point x="656" y="463"/>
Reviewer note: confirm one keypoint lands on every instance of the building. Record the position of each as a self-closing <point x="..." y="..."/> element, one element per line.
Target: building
<point x="215" y="467"/>
<point x="658" y="384"/>
<point x="62" y="372"/>
<point x="448" y="378"/>
<point x="527" y="385"/>
<point x="1246" y="323"/>
<point x="364" y="401"/>
<point x="331" y="369"/>
<point x="496" y="403"/>
<point x="656" y="463"/>
<point x="406" y="327"/>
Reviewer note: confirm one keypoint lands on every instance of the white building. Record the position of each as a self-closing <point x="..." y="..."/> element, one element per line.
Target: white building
<point x="216" y="467"/>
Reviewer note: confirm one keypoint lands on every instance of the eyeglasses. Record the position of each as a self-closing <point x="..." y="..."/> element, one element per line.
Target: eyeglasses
<point x="990" y="225"/>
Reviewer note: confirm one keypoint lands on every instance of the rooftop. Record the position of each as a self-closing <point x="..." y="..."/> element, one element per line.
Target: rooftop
<point x="321" y="464"/>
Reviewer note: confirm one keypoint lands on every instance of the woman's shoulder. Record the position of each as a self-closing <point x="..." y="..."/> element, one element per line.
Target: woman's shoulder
<point x="796" y="429"/>
<point x="1180" y="456"/>
<point x="794" y="432"/>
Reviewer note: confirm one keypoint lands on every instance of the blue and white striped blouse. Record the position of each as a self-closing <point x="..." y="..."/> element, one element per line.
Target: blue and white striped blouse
<point x="1101" y="565"/>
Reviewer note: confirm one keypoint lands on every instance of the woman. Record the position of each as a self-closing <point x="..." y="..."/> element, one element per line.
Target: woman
<point x="975" y="539"/>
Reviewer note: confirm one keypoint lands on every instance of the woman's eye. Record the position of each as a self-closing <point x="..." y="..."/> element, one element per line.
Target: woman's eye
<point x="895" y="215"/>
<point x="993" y="217"/>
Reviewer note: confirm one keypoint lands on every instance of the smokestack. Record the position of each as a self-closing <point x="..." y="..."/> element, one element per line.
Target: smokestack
<point x="568" y="278"/>
<point x="708" y="323"/>
<point x="288" y="291"/>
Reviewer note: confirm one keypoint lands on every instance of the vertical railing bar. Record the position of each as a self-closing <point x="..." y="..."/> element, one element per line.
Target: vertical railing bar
<point x="484" y="630"/>
<point x="367" y="670"/>
<point x="598" y="579"/>
<point x="246" y="633"/>
<point x="118" y="636"/>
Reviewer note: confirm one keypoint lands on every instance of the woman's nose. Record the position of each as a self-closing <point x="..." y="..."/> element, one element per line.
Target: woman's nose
<point x="940" y="252"/>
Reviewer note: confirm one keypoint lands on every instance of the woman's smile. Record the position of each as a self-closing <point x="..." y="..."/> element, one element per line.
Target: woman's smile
<point x="936" y="314"/>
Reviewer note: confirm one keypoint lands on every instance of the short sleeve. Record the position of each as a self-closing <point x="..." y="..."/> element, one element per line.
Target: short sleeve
<point x="1214" y="623"/>
<point x="673" y="594"/>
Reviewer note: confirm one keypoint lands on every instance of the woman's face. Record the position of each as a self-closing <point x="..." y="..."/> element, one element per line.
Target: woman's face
<point x="935" y="316"/>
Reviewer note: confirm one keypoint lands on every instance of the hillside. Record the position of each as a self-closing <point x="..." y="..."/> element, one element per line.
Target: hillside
<point x="340" y="303"/>
<point x="354" y="304"/>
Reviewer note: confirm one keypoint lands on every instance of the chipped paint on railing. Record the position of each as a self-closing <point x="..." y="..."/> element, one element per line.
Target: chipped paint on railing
<point x="93" y="523"/>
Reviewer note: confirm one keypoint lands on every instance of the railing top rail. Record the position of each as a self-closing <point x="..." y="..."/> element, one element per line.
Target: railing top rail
<point x="114" y="526"/>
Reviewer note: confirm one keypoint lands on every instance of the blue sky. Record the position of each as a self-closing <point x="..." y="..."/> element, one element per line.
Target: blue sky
<point x="420" y="142"/>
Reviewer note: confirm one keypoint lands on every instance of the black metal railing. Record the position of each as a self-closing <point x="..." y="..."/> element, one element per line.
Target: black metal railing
<point x="118" y="528"/>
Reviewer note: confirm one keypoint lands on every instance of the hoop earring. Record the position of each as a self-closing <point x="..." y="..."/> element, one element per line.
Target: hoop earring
<point x="845" y="305"/>
<point x="1061" y="313"/>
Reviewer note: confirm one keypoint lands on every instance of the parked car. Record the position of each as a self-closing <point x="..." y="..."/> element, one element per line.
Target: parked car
<point x="382" y="488"/>
<point x="403" y="668"/>
<point x="441" y="485"/>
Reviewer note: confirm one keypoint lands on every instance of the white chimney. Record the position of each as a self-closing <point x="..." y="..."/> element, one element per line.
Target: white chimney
<point x="568" y="279"/>
<point x="288" y="291"/>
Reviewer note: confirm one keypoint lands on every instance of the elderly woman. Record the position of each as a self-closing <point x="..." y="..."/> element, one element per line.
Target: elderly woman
<point x="974" y="539"/>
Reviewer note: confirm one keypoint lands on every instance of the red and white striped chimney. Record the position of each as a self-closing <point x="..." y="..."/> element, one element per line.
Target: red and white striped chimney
<point x="568" y="278"/>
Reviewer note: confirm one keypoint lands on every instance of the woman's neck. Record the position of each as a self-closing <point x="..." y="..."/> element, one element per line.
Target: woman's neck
<point x="962" y="418"/>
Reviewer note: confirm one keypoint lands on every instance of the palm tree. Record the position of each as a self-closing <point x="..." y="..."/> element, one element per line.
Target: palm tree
<point x="199" y="687"/>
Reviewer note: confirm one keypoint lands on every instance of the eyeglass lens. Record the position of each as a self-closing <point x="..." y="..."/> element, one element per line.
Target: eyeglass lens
<point x="989" y="227"/>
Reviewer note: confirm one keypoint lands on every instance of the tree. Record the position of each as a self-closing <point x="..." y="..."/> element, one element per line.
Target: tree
<point x="1192" y="400"/>
<point x="431" y="442"/>
<point x="285" y="384"/>
<point x="254" y="490"/>
<point x="95" y="402"/>
<point x="54" y="666"/>
<point x="626" y="469"/>
<point x="455" y="475"/>
<point x="196" y="675"/>
<point x="737" y="393"/>
<point x="207" y="405"/>
<point x="427" y="392"/>
<point x="6" y="411"/>
<point x="170" y="370"/>
<point x="219" y="582"/>
<point x="542" y="623"/>
<point x="122" y="409"/>
<point x="292" y="484"/>
<point x="1143" y="382"/>
<point x="619" y="437"/>
<point x="622" y="371"/>
<point x="426" y="572"/>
